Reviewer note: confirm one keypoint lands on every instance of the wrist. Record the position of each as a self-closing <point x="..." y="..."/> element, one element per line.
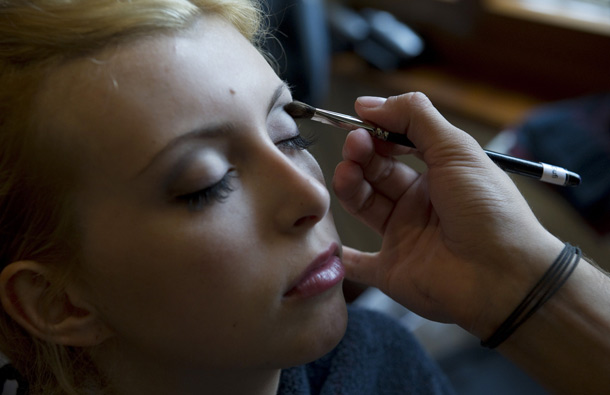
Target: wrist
<point x="552" y="280"/>
<point x="516" y="271"/>
<point x="568" y="334"/>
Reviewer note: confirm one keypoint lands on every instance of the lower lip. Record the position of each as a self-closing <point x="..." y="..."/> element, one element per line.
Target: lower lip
<point x="319" y="280"/>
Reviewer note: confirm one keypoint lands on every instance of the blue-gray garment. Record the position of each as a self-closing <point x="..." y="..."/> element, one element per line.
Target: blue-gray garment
<point x="377" y="356"/>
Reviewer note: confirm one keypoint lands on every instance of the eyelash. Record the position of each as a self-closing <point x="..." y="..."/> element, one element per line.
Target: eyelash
<point x="298" y="142"/>
<point x="218" y="192"/>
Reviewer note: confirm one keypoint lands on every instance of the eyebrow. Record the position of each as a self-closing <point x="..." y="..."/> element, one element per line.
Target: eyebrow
<point x="210" y="131"/>
<point x="276" y="95"/>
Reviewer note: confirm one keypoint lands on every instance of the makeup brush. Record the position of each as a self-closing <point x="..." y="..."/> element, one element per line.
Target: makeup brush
<point x="541" y="171"/>
<point x="299" y="109"/>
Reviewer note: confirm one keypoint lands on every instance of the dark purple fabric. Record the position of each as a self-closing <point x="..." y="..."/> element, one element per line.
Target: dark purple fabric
<point x="376" y="356"/>
<point x="574" y="134"/>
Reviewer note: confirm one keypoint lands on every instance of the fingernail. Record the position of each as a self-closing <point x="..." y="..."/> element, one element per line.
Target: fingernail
<point x="371" y="101"/>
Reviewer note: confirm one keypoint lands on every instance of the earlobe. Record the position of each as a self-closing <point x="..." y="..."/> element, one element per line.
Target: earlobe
<point x="28" y="296"/>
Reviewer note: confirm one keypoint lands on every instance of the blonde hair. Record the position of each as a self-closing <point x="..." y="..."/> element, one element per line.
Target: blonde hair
<point x="36" y="222"/>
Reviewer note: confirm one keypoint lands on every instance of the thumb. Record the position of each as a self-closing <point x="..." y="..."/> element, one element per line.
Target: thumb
<point x="414" y="115"/>
<point x="360" y="267"/>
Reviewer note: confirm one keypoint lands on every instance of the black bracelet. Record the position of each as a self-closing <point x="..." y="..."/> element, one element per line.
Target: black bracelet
<point x="552" y="280"/>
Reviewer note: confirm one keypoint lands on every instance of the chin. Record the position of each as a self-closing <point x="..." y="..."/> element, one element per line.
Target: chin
<point x="321" y="330"/>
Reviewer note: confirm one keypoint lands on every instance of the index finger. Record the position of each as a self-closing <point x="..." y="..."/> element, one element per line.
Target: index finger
<point x="385" y="174"/>
<point x="414" y="115"/>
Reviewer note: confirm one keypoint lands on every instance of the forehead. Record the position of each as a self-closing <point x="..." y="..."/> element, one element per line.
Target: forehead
<point x="131" y="99"/>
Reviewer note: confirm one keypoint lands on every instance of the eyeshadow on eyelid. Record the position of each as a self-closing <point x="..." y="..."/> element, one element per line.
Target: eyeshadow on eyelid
<point x="282" y="126"/>
<point x="205" y="132"/>
<point x="195" y="165"/>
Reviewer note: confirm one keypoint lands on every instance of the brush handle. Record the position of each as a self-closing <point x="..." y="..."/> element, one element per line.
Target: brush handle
<point x="541" y="171"/>
<point x="400" y="139"/>
<point x="396" y="138"/>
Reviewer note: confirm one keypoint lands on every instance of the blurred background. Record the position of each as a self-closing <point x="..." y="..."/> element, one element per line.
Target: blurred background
<point x="526" y="77"/>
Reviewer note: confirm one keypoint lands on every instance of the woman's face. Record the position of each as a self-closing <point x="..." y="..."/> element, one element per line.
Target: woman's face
<point x="207" y="236"/>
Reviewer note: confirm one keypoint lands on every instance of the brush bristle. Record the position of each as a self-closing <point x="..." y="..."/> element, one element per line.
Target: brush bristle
<point x="298" y="109"/>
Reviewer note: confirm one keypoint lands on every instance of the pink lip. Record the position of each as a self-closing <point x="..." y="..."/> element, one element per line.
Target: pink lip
<point x="323" y="273"/>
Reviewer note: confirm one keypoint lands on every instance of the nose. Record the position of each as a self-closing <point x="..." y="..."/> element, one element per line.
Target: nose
<point x="296" y="196"/>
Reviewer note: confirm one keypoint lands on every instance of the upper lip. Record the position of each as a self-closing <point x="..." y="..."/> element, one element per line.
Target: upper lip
<point x="320" y="260"/>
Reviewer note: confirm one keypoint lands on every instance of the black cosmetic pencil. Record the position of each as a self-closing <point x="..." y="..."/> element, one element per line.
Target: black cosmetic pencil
<point x="541" y="171"/>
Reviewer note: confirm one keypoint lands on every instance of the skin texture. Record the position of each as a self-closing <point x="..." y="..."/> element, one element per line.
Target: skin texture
<point x="461" y="245"/>
<point x="189" y="294"/>
<point x="433" y="223"/>
<point x="199" y="212"/>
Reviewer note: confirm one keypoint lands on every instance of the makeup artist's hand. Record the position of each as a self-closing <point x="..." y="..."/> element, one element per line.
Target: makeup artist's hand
<point x="460" y="244"/>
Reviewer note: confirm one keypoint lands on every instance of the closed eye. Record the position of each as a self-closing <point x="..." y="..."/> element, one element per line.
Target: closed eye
<point x="218" y="192"/>
<point x="298" y="142"/>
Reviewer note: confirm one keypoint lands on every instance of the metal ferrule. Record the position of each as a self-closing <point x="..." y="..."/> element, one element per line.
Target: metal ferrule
<point x="339" y="120"/>
<point x="346" y="122"/>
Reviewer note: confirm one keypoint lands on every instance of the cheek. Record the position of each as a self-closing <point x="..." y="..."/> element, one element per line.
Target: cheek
<point x="161" y="254"/>
<point x="195" y="295"/>
<point x="142" y="263"/>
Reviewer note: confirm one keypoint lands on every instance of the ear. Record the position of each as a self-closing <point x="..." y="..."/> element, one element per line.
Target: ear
<point x="61" y="317"/>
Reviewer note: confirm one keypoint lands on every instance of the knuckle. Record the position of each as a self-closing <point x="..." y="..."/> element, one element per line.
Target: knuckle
<point x="366" y="204"/>
<point x="383" y="171"/>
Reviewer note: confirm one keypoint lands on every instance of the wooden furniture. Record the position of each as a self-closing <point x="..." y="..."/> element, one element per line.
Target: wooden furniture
<point x="469" y="41"/>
